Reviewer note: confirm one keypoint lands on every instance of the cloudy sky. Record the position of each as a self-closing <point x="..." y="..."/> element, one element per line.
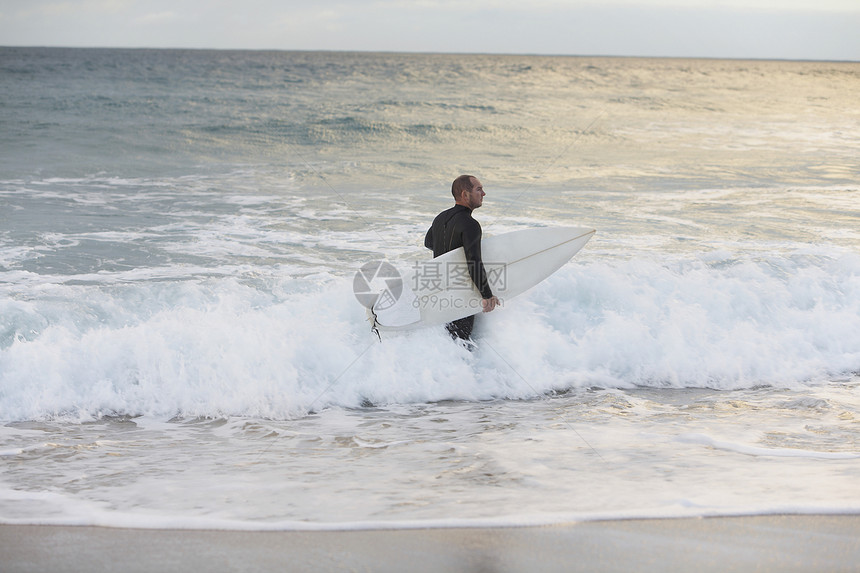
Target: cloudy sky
<point x="784" y="29"/>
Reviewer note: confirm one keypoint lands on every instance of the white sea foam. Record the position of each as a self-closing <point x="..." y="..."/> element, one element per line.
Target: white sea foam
<point x="221" y="347"/>
<point x="101" y="517"/>
<point x="757" y="451"/>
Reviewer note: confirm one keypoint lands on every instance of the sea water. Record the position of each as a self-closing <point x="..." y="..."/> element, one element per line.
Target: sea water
<point x="180" y="344"/>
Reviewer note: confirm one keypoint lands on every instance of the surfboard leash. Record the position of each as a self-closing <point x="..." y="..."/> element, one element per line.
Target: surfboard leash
<point x="373" y="327"/>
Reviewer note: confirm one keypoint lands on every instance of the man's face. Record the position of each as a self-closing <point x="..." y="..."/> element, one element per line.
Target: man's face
<point x="475" y="197"/>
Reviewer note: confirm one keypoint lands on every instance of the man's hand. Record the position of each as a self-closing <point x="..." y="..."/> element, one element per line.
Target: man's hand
<point x="489" y="304"/>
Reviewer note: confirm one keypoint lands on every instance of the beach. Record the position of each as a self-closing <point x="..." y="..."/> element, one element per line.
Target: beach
<point x="756" y="543"/>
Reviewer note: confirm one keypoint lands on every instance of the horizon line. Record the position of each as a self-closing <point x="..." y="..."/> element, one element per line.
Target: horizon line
<point x="431" y="53"/>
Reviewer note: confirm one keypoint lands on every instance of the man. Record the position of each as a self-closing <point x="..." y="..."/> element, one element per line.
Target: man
<point x="455" y="228"/>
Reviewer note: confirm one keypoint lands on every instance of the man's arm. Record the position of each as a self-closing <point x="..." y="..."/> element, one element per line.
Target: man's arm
<point x="472" y="246"/>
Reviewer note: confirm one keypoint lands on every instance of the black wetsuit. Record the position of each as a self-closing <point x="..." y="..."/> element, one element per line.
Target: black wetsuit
<point x="452" y="229"/>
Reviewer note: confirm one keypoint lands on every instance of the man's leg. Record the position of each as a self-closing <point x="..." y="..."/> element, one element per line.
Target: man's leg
<point x="461" y="328"/>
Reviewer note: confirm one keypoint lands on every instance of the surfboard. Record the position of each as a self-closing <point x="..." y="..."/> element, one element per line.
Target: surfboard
<point x="440" y="290"/>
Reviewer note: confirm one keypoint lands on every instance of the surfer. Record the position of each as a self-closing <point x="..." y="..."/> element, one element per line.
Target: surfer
<point x="455" y="228"/>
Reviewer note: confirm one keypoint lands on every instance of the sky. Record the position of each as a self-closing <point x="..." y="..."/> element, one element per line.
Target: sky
<point x="761" y="29"/>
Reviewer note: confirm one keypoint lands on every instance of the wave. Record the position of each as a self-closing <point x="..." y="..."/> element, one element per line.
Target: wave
<point x="280" y="349"/>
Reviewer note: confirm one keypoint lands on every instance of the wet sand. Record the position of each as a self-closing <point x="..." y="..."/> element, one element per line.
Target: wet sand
<point x="760" y="543"/>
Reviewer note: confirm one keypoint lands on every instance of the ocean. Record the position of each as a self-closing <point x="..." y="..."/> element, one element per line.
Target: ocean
<point x="181" y="346"/>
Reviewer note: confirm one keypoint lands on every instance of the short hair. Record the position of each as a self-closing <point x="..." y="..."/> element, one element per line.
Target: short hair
<point x="460" y="184"/>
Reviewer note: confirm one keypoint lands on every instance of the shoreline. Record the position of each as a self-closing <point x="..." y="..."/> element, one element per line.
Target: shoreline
<point x="762" y="542"/>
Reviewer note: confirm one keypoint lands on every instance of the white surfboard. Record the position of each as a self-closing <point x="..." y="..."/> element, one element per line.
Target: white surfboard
<point x="440" y="290"/>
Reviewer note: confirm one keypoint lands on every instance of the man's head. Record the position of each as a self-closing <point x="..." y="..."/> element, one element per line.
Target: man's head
<point x="468" y="191"/>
